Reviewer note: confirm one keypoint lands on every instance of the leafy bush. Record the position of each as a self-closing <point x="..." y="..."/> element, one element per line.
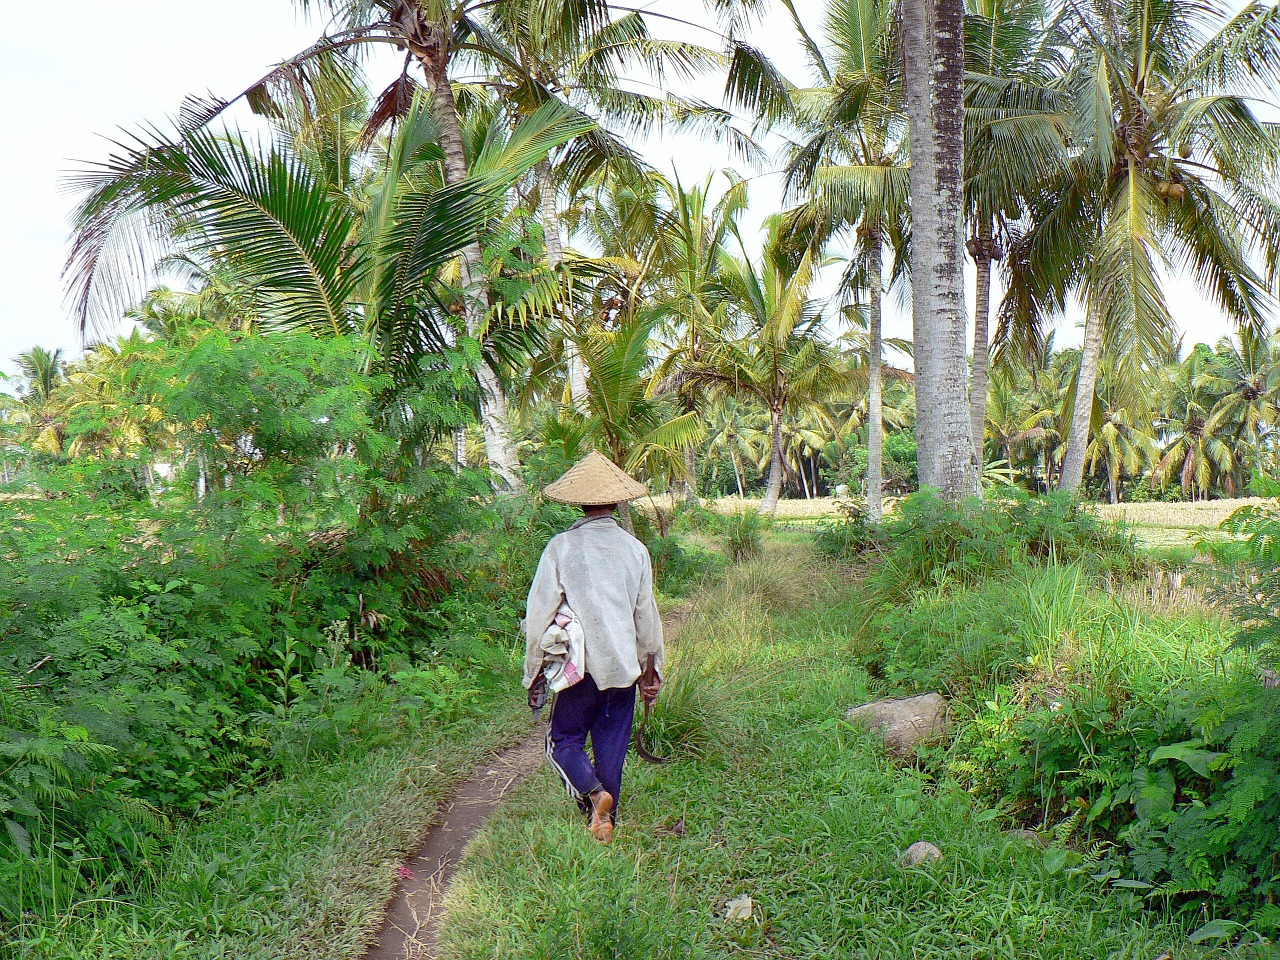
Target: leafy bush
<point x="849" y="535"/>
<point x="161" y="650"/>
<point x="1106" y="724"/>
<point x="1252" y="585"/>
<point x="679" y="566"/>
<point x="932" y="542"/>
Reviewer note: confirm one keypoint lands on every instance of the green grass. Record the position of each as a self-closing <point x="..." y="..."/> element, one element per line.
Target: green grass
<point x="298" y="869"/>
<point x="790" y="806"/>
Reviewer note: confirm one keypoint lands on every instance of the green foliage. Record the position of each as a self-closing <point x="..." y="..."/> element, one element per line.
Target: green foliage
<point x="1103" y="723"/>
<point x="160" y="652"/>
<point x="849" y="535"/>
<point x="743" y="534"/>
<point x="1252" y="585"/>
<point x="932" y="542"/>
<point x="680" y="566"/>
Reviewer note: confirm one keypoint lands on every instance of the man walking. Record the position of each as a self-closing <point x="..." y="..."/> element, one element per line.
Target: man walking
<point x="597" y="579"/>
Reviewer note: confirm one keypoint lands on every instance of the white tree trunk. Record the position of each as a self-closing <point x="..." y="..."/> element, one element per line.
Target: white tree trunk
<point x="933" y="42"/>
<point x="774" y="489"/>
<point x="1082" y="413"/>
<point x="503" y="462"/>
<point x="875" y="385"/>
<point x="982" y="251"/>
<point x="576" y="369"/>
<point x="691" y="480"/>
<point x="737" y="473"/>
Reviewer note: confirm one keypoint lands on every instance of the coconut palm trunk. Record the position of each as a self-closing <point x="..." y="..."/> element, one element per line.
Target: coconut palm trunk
<point x="774" y="489"/>
<point x="980" y="248"/>
<point x="875" y="386"/>
<point x="933" y="43"/>
<point x="494" y="420"/>
<point x="1072" y="473"/>
<point x="691" y="475"/>
<point x="575" y="368"/>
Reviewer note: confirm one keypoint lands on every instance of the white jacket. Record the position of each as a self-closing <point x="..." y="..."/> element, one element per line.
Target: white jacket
<point x="605" y="576"/>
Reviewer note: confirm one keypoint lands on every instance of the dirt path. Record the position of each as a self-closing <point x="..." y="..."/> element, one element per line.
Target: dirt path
<point x="413" y="917"/>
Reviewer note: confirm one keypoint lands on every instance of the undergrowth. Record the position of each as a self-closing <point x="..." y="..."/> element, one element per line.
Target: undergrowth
<point x="1133" y="732"/>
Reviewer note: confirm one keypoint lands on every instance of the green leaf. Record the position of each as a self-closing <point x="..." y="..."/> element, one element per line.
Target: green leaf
<point x="1054" y="860"/>
<point x="20" y="837"/>
<point x="1199" y="760"/>
<point x="1214" y="930"/>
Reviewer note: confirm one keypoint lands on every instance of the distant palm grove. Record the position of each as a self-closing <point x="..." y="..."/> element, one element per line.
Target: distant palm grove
<point x="503" y="223"/>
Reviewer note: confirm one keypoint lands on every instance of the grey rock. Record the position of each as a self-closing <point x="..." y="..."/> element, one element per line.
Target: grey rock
<point x="1029" y="836"/>
<point x="922" y="851"/>
<point x="906" y="722"/>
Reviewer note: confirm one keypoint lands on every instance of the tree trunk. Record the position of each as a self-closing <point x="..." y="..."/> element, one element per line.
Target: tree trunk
<point x="1072" y="473"/>
<point x="804" y="480"/>
<point x="933" y="43"/>
<point x="624" y="518"/>
<point x="459" y="450"/>
<point x="691" y="480"/>
<point x="1115" y="493"/>
<point x="737" y="473"/>
<point x="774" y="489"/>
<point x="875" y="385"/>
<point x="202" y="478"/>
<point x="503" y="462"/>
<point x="576" y="370"/>
<point x="981" y="249"/>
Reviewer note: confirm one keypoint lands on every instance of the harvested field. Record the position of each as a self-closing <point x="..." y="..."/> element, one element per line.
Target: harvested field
<point x="1176" y="524"/>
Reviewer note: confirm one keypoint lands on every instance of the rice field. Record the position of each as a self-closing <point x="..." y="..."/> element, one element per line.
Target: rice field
<point x="1176" y="524"/>
<point x="1155" y="524"/>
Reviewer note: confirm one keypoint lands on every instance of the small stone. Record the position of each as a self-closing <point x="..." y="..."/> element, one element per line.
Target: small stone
<point x="904" y="722"/>
<point x="922" y="851"/>
<point x="738" y="909"/>
<point x="1028" y="836"/>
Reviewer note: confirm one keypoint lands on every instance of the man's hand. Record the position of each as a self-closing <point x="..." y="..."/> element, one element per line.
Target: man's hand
<point x="650" y="685"/>
<point x="650" y="682"/>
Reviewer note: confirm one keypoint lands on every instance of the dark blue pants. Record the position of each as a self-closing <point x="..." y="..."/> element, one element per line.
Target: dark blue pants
<point x="605" y="715"/>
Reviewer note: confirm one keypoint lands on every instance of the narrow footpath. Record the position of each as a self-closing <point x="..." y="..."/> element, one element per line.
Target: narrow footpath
<point x="413" y="917"/>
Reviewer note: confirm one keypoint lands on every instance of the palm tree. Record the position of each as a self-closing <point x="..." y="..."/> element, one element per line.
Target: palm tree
<point x="933" y="49"/>
<point x="782" y="360"/>
<point x="1015" y="130"/>
<point x="1196" y="450"/>
<point x="1250" y="406"/>
<point x="732" y="432"/>
<point x="637" y="428"/>
<point x="43" y="372"/>
<point x="851" y="159"/>
<point x="529" y="59"/>
<point x="1122" y="444"/>
<point x="689" y="247"/>
<point x="317" y="255"/>
<point x="1168" y="165"/>
<point x="1017" y="426"/>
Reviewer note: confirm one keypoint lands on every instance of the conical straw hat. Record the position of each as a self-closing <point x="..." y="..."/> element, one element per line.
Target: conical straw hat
<point x="595" y="480"/>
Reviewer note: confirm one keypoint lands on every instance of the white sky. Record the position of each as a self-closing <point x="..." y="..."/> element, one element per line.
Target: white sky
<point x="148" y="55"/>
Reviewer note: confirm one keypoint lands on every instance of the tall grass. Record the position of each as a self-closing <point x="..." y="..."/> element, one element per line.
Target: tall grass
<point x="721" y="646"/>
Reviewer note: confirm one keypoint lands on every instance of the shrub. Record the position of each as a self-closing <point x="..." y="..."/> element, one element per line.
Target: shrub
<point x="1106" y="724"/>
<point x="679" y="566"/>
<point x="849" y="535"/>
